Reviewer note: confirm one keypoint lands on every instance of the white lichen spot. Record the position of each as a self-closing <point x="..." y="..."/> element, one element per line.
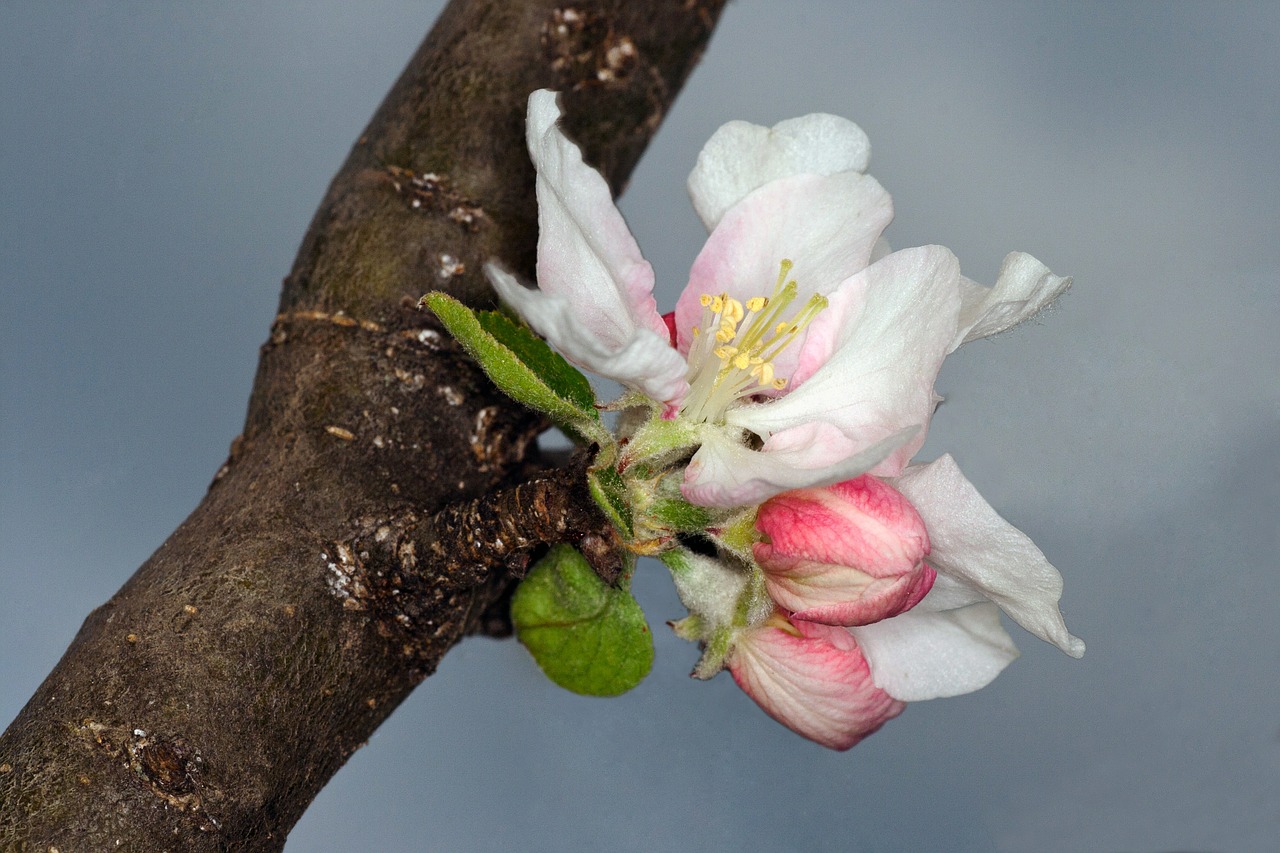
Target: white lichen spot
<point x="430" y="337"/>
<point x="342" y="578"/>
<point x="382" y="533"/>
<point x="450" y="267"/>
<point x="139" y="733"/>
<point x="379" y="442"/>
<point x="451" y="395"/>
<point x="408" y="555"/>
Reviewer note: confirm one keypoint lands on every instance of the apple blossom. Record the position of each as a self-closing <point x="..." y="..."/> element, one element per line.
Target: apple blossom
<point x="813" y="679"/>
<point x="798" y="361"/>
<point x="772" y="416"/>
<point x="847" y="554"/>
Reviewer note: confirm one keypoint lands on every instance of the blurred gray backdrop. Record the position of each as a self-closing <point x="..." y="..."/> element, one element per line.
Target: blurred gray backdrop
<point x="159" y="164"/>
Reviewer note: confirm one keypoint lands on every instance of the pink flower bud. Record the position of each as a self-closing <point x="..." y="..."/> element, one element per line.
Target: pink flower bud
<point x="848" y="554"/>
<point x="813" y="679"/>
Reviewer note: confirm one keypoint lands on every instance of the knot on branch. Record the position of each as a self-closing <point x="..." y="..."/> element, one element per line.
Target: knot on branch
<point x="411" y="573"/>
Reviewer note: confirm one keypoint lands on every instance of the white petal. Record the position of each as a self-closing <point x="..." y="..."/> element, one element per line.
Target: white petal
<point x="890" y="327"/>
<point x="927" y="654"/>
<point x="1023" y="287"/>
<point x="739" y="157"/>
<point x="585" y="251"/>
<point x="826" y="225"/>
<point x="973" y="544"/>
<point x="726" y="473"/>
<point x="642" y="361"/>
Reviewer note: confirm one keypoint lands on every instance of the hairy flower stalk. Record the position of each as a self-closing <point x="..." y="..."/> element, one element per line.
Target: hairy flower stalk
<point x="765" y="443"/>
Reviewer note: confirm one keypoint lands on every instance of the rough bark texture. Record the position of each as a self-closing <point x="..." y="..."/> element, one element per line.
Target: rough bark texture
<point x="206" y="703"/>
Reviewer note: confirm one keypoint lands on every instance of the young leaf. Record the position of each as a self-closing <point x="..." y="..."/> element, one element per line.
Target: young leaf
<point x="587" y="636"/>
<point x="523" y="366"/>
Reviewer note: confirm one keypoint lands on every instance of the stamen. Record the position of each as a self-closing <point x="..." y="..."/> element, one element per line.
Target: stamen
<point x="737" y="360"/>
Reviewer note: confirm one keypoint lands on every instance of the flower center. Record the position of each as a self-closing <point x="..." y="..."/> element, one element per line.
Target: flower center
<point x="735" y="345"/>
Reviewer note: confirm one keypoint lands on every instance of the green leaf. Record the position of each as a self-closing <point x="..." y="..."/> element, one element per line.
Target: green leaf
<point x="587" y="636"/>
<point x="523" y="366"/>
<point x="563" y="378"/>
<point x="610" y="494"/>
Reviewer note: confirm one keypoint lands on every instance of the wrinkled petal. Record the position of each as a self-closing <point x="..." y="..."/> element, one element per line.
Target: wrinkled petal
<point x="929" y="654"/>
<point x="817" y="684"/>
<point x="741" y="157"/>
<point x="888" y="329"/>
<point x="974" y="545"/>
<point x="585" y="251"/>
<point x="848" y="554"/>
<point x="826" y="225"/>
<point x="643" y="361"/>
<point x="1023" y="287"/>
<point x="726" y="473"/>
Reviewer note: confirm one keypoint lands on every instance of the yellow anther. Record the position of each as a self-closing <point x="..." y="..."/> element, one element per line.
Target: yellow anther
<point x="780" y="328"/>
<point x="779" y="384"/>
<point x="726" y="334"/>
<point x="705" y="299"/>
<point x="733" y="310"/>
<point x="742" y="361"/>
<point x="756" y="303"/>
<point x="766" y="373"/>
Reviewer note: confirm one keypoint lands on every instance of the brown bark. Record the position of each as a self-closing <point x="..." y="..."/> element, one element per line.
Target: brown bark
<point x="327" y="571"/>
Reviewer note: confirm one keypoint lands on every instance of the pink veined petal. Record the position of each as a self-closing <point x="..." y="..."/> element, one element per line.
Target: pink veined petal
<point x="889" y="327"/>
<point x="848" y="554"/>
<point x="857" y="599"/>
<point x="974" y="545"/>
<point x="817" y="684"/>
<point x="585" y="251"/>
<point x="825" y="224"/>
<point x="741" y="157"/>
<point x="929" y="654"/>
<point x="726" y="473"/>
<point x="643" y="361"/>
<point x="1023" y="287"/>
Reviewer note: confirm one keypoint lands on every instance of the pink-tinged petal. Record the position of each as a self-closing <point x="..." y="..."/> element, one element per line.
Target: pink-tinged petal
<point x="848" y="554"/>
<point x="643" y="361"/>
<point x="974" y="545"/>
<point x="817" y="684"/>
<point x="889" y="328"/>
<point x="585" y="251"/>
<point x="726" y="473"/>
<point x="1023" y="287"/>
<point x="930" y="654"/>
<point x="825" y="224"/>
<point x="741" y="157"/>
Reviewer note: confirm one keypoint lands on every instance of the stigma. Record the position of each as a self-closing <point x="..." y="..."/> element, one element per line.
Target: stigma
<point x="736" y="342"/>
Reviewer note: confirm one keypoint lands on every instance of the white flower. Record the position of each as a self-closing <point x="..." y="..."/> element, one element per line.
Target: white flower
<point x="801" y="357"/>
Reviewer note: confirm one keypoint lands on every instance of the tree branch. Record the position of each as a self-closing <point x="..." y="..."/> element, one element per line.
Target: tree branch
<point x="205" y="704"/>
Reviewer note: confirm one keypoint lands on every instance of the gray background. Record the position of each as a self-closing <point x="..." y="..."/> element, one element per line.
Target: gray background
<point x="159" y="163"/>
